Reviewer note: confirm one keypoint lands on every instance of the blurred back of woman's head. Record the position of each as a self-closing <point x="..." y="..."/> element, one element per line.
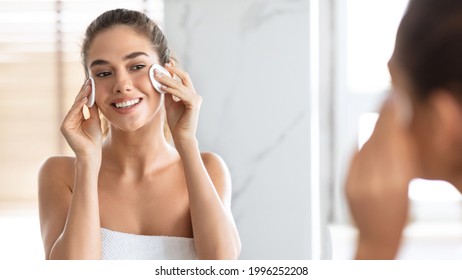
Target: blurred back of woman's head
<point x="429" y="47"/>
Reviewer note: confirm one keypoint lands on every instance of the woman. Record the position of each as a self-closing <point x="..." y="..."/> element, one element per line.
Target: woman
<point x="419" y="132"/>
<point x="131" y="194"/>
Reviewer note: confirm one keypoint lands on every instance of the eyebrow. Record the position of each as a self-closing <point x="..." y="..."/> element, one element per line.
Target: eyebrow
<point x="127" y="57"/>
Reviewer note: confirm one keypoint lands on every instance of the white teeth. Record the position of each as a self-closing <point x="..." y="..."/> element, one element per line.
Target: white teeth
<point x="126" y="104"/>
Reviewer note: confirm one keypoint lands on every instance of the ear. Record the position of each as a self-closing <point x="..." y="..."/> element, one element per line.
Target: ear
<point x="447" y="119"/>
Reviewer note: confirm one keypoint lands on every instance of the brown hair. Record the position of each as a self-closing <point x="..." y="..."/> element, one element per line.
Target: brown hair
<point x="429" y="45"/>
<point x="140" y="22"/>
<point x="143" y="25"/>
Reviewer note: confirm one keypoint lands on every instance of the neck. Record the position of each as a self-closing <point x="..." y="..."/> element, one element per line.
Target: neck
<point x="137" y="152"/>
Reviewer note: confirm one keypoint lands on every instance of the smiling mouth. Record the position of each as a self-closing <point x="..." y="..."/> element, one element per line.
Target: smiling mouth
<point x="126" y="104"/>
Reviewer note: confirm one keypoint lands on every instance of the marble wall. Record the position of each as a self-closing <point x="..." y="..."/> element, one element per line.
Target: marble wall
<point x="249" y="59"/>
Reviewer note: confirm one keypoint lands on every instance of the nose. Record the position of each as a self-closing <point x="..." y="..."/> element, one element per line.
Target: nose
<point x="123" y="83"/>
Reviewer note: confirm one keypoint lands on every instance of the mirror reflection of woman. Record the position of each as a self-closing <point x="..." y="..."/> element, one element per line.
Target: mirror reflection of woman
<point x="419" y="131"/>
<point x="131" y="194"/>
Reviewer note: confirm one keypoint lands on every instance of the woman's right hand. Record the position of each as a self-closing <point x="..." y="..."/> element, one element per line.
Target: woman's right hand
<point x="377" y="184"/>
<point x="83" y="135"/>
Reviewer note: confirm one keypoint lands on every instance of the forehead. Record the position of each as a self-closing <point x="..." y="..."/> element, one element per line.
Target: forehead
<point x="118" y="41"/>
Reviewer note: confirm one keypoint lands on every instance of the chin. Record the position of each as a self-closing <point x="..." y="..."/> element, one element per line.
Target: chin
<point x="134" y="122"/>
<point x="128" y="128"/>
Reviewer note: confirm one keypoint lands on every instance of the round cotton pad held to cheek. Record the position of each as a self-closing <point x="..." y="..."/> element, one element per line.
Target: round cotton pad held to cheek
<point x="91" y="98"/>
<point x="154" y="82"/>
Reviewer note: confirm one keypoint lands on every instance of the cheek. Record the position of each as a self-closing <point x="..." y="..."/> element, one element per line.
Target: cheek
<point x="142" y="83"/>
<point x="102" y="91"/>
<point x="150" y="94"/>
<point x="432" y="157"/>
<point x="418" y="137"/>
<point x="422" y="137"/>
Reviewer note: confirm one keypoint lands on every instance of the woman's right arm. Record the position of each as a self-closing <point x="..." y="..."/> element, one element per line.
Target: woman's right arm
<point x="377" y="185"/>
<point x="69" y="208"/>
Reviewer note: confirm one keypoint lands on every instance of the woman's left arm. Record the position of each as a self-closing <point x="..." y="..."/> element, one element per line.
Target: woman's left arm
<point x="209" y="187"/>
<point x="207" y="176"/>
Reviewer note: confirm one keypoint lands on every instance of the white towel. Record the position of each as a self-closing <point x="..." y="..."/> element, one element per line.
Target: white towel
<point x="126" y="246"/>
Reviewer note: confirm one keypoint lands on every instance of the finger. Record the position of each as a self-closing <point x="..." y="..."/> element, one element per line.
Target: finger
<point x="184" y="76"/>
<point x="84" y="92"/>
<point x="393" y="121"/>
<point x="75" y="114"/>
<point x="94" y="112"/>
<point x="85" y="83"/>
<point x="387" y="120"/>
<point x="168" y="81"/>
<point x="177" y="94"/>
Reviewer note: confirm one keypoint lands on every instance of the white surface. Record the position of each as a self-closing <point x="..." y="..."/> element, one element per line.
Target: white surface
<point x="20" y="236"/>
<point x="422" y="241"/>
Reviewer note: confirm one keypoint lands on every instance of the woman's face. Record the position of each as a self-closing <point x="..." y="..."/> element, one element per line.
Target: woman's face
<point x="119" y="60"/>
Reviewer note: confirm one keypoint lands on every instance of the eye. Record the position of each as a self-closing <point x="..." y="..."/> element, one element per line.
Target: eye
<point x="138" y="67"/>
<point x="103" y="74"/>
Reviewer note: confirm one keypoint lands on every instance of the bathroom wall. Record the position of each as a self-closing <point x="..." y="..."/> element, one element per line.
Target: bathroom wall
<point x="249" y="59"/>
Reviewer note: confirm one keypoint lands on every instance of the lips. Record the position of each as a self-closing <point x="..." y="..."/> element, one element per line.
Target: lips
<point x="126" y="103"/>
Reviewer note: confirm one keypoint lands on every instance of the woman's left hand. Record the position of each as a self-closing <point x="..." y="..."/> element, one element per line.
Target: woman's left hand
<point x="182" y="115"/>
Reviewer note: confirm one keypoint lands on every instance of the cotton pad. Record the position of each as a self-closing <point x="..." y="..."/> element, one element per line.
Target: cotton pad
<point x="91" y="98"/>
<point x="155" y="83"/>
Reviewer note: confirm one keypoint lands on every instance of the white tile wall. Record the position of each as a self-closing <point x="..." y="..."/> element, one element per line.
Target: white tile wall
<point x="250" y="62"/>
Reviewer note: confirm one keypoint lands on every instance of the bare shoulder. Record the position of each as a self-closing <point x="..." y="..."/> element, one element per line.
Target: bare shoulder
<point x="58" y="162"/>
<point x="215" y="165"/>
<point x="56" y="170"/>
<point x="219" y="174"/>
<point x="212" y="160"/>
<point x="55" y="178"/>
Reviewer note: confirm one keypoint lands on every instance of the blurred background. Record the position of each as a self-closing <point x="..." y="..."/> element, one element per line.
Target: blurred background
<point x="290" y="88"/>
<point x="361" y="35"/>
